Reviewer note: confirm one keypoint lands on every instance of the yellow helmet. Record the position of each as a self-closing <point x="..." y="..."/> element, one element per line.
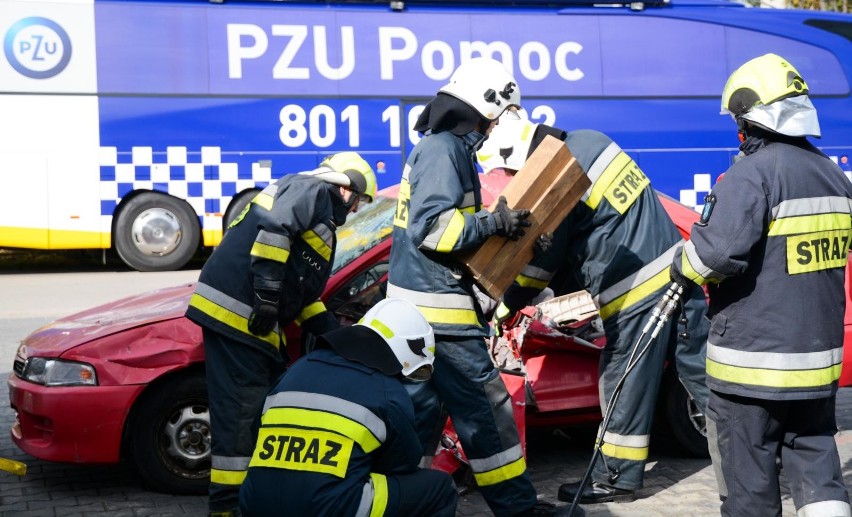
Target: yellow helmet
<point x="771" y="93"/>
<point x="348" y="169"/>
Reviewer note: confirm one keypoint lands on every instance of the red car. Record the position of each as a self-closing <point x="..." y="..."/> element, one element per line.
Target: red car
<point x="126" y="379"/>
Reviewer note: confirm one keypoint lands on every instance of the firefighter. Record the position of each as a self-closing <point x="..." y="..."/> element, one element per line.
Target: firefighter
<point x="269" y="271"/>
<point x="337" y="433"/>
<point x="617" y="244"/>
<point x="439" y="212"/>
<point x="772" y="247"/>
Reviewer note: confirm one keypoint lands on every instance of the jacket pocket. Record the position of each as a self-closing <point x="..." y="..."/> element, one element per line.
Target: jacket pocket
<point x="718" y="326"/>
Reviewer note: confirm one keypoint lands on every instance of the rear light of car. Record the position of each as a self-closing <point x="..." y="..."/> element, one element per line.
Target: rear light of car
<point x="58" y="372"/>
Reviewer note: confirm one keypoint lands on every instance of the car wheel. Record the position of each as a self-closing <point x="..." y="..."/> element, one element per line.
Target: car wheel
<point x="156" y="232"/>
<point x="683" y="423"/>
<point x="237" y="206"/>
<point x="169" y="436"/>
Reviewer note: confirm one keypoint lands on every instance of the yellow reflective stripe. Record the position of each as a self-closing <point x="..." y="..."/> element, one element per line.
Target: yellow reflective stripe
<point x="403" y="200"/>
<point x="317" y="243"/>
<point x="449" y="316"/>
<point x="323" y="420"/>
<point x="689" y="271"/>
<point x="310" y="311"/>
<point x="525" y="281"/>
<point x="228" y="477"/>
<point x="774" y="378"/>
<point x="450" y="235"/>
<point x="625" y="453"/>
<point x="380" y="494"/>
<point x="620" y="183"/>
<point x="468" y="210"/>
<point x="817" y="251"/>
<point x="266" y="251"/>
<point x="230" y="318"/>
<point x="307" y="450"/>
<point x="263" y="200"/>
<point x="382" y="328"/>
<point x="637" y="294"/>
<point x="809" y="223"/>
<point x="510" y="471"/>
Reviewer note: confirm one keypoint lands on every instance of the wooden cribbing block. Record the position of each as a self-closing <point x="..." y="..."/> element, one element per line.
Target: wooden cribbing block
<point x="549" y="184"/>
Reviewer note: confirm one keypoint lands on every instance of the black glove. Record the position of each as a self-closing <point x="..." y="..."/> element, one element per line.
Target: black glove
<point x="510" y="223"/>
<point x="542" y="244"/>
<point x="678" y="278"/>
<point x="264" y="315"/>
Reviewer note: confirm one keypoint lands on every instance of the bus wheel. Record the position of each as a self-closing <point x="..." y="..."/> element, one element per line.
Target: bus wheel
<point x="156" y="232"/>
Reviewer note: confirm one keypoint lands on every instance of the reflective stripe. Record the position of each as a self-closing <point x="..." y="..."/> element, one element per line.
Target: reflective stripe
<point x="599" y="166"/>
<point x="510" y="471"/>
<point x="229" y="470"/>
<point x="694" y="269"/>
<point x="321" y="239"/>
<point x="355" y="413"/>
<point x="812" y="205"/>
<point x="447" y="308"/>
<point x="809" y="223"/>
<point x="310" y="311"/>
<point x="445" y="231"/>
<point x="825" y="508"/>
<point x="608" y="299"/>
<point x="534" y="277"/>
<point x="379" y="499"/>
<point x="774" y="369"/>
<point x="229" y="311"/>
<point x="501" y="459"/>
<point x="266" y="197"/>
<point x="271" y="246"/>
<point x="626" y="447"/>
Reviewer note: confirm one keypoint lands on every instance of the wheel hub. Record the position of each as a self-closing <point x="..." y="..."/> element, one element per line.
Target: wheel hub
<point x="156" y="232"/>
<point x="188" y="436"/>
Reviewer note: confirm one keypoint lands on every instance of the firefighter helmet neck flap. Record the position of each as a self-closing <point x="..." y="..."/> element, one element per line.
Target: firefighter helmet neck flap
<point x="770" y="93"/>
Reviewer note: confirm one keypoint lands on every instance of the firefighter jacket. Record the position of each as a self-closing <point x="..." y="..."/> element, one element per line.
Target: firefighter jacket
<point x="774" y="251"/>
<point x="331" y="431"/>
<point x="283" y="242"/>
<point x="618" y="242"/>
<point x="438" y="213"/>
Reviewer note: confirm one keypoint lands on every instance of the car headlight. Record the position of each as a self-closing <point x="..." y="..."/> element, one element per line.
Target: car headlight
<point x="58" y="372"/>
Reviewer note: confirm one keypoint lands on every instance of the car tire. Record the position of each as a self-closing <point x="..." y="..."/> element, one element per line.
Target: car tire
<point x="680" y="422"/>
<point x="169" y="436"/>
<point x="156" y="232"/>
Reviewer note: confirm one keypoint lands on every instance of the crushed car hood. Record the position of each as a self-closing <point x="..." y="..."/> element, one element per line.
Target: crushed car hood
<point x="61" y="335"/>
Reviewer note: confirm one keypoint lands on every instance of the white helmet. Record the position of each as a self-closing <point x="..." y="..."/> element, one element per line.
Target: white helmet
<point x="485" y="85"/>
<point x="508" y="144"/>
<point x="397" y="323"/>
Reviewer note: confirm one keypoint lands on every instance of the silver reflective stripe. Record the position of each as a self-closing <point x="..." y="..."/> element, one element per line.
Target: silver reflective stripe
<point x="600" y="165"/>
<point x="825" y="509"/>
<point x="223" y="300"/>
<point x="775" y="360"/>
<point x="366" y="503"/>
<point x="631" y="440"/>
<point x="270" y="189"/>
<point x="469" y="200"/>
<point x="425" y="462"/>
<point x="537" y="273"/>
<point x="273" y="239"/>
<point x="324" y="233"/>
<point x="440" y="300"/>
<point x="698" y="265"/>
<point x="643" y="275"/>
<point x="811" y="206"/>
<point x="501" y="459"/>
<point x="438" y="228"/>
<point x="405" y="172"/>
<point x="230" y="462"/>
<point x="350" y="410"/>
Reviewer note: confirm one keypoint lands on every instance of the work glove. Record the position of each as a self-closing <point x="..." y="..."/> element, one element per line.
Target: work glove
<point x="510" y="223"/>
<point x="678" y="278"/>
<point x="501" y="314"/>
<point x="264" y="314"/>
<point x="542" y="244"/>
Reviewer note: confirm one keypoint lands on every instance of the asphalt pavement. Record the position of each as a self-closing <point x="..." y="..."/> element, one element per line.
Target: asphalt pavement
<point x="674" y="486"/>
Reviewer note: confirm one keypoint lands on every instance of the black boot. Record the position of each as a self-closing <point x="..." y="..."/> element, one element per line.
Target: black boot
<point x="595" y="493"/>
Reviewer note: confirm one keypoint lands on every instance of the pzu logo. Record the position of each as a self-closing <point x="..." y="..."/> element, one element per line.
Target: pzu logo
<point x="37" y="47"/>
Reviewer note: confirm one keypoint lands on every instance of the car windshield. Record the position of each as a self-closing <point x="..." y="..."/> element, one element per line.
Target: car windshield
<point x="370" y="225"/>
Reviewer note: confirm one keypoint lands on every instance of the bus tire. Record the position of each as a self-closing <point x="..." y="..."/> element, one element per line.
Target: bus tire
<point x="156" y="232"/>
<point x="237" y="206"/>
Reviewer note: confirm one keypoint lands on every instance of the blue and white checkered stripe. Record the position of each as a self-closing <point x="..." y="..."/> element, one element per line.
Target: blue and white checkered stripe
<point x="207" y="183"/>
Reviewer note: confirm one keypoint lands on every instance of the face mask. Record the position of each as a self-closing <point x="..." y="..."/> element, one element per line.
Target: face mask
<point x="341" y="211"/>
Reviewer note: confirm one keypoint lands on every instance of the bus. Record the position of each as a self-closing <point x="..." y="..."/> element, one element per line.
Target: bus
<point x="143" y="126"/>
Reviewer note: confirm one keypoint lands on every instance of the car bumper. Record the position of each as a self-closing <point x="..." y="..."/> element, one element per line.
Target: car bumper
<point x="81" y="424"/>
